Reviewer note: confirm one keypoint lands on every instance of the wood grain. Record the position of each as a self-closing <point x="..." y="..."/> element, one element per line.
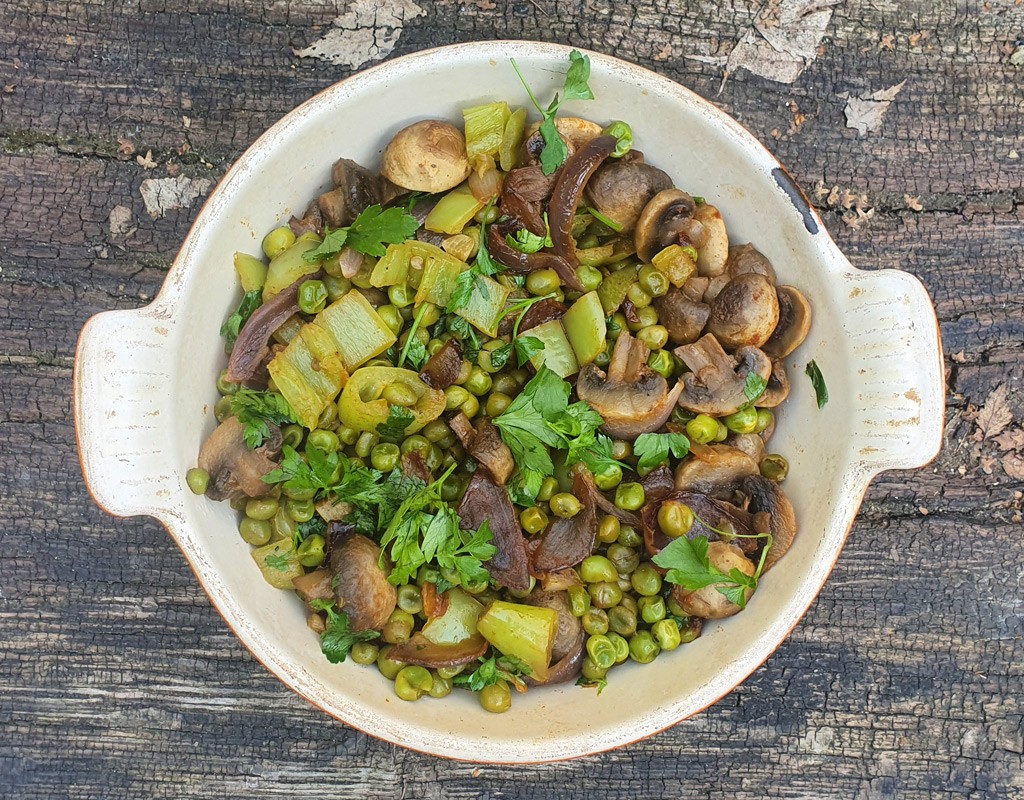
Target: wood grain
<point x="905" y="680"/>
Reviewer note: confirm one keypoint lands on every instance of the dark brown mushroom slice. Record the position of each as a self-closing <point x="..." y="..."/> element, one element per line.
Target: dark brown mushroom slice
<point x="717" y="381"/>
<point x="360" y="585"/>
<point x="621" y="189"/>
<point x="520" y="263"/>
<point x="777" y="389"/>
<point x="253" y="343"/>
<point x="666" y="215"/>
<point x="312" y="221"/>
<point x="695" y="288"/>
<point x="794" y="323"/>
<point x="710" y="516"/>
<point x="356" y="189"/>
<point x="421" y="651"/>
<point x="766" y="497"/>
<point x="236" y="472"/>
<point x="682" y="317"/>
<point x="717" y="470"/>
<point x="658" y="483"/>
<point x="745" y="258"/>
<point x="442" y="369"/>
<point x="523" y="195"/>
<point x="569" y="636"/>
<point x="632" y="398"/>
<point x="745" y="312"/>
<point x="484" y="443"/>
<point x="486" y="501"/>
<point x="572" y="180"/>
<point x="567" y="542"/>
<point x="315" y="585"/>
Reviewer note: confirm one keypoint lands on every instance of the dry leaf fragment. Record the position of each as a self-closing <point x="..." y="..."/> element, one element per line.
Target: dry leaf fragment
<point x="1013" y="465"/>
<point x="120" y="222"/>
<point x="125" y="147"/>
<point x="913" y="203"/>
<point x="959" y="358"/>
<point x="865" y="113"/>
<point x="888" y="42"/>
<point x="166" y="194"/>
<point x="146" y="161"/>
<point x="186" y="121"/>
<point x="9" y="88"/>
<point x="1010" y="440"/>
<point x="663" y="53"/>
<point x="995" y="415"/>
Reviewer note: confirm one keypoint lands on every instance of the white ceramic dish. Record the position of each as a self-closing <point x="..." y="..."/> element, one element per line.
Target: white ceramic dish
<point x="144" y="393"/>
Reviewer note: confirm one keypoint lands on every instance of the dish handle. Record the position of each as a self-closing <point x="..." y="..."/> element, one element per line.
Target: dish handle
<point x="122" y="410"/>
<point x="898" y="379"/>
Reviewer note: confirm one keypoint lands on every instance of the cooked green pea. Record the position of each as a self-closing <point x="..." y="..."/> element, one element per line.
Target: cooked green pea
<point x="392" y="318"/>
<point x="385" y="456"/>
<point x="470" y="407"/>
<point x="261" y="508"/>
<point x="436" y="430"/>
<point x="608" y="477"/>
<point x="400" y="394"/>
<point x="401" y="295"/>
<point x="533" y="520"/>
<point x="455" y="396"/>
<point x="300" y="510"/>
<point x="312" y="297"/>
<point x="441" y="687"/>
<point x="674" y="608"/>
<point x="601" y="651"/>
<point x="608" y="529"/>
<point x="595" y="621"/>
<point x="590" y="240"/>
<point x="300" y="494"/>
<point x="328" y="417"/>
<point x="481" y="586"/>
<point x="654" y="336"/>
<point x="723" y="432"/>
<point x="506" y="384"/>
<point x="311" y="551"/>
<point x="197" y="480"/>
<point x="291" y="435"/>
<point x="487" y="215"/>
<point x="224" y="386"/>
<point x="412" y="682"/>
<point x="415" y="444"/>
<point x="702" y="429"/>
<point x="590" y="277"/>
<point x="621" y="645"/>
<point x="629" y="496"/>
<point x="605" y="594"/>
<point x="743" y="421"/>
<point x="603" y="359"/>
<point x="621" y="449"/>
<point x="675" y="519"/>
<point x="222" y="408"/>
<point x="479" y="382"/>
<point x="410" y="598"/>
<point x="256" y="532"/>
<point x="398" y="628"/>
<point x="624" y="559"/>
<point x="653" y="281"/>
<point x="336" y="287"/>
<point x="629" y="536"/>
<point x="496" y="404"/>
<point x="277" y="241"/>
<point x="666" y="633"/>
<point x="542" y="281"/>
<point x="662" y="362"/>
<point x="324" y="441"/>
<point x="774" y="467"/>
<point x="642" y="647"/>
<point x="365" y="443"/>
<point x="526" y="592"/>
<point x="622" y="620"/>
<point x="651" y="609"/>
<point x="565" y="505"/>
<point x="596" y="569"/>
<point x="348" y="436"/>
<point x="690" y="630"/>
<point x="765" y="419"/>
<point x="638" y="296"/>
<point x="283" y="526"/>
<point x="548" y="488"/>
<point x="617" y="323"/>
<point x="453" y="488"/>
<point x="450" y="672"/>
<point x="579" y="600"/>
<point x="591" y="671"/>
<point x="627" y="601"/>
<point x="496" y="698"/>
<point x="364" y="652"/>
<point x="646" y="580"/>
<point x="623" y="137"/>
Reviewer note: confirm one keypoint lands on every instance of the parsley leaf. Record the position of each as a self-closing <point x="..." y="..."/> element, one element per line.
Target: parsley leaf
<point x="257" y="410"/>
<point x="467" y="335"/>
<point x="329" y="476"/>
<point x="526" y="241"/>
<point x="399" y="418"/>
<point x="414" y="349"/>
<point x="653" y="448"/>
<point x="369" y="233"/>
<point x="818" y="382"/>
<point x="577" y="77"/>
<point x="337" y="640"/>
<point x="280" y="561"/>
<point x="492" y="670"/>
<point x="233" y="324"/>
<point x="600" y="684"/>
<point x="753" y="387"/>
<point x="304" y="530"/>
<point x="527" y="347"/>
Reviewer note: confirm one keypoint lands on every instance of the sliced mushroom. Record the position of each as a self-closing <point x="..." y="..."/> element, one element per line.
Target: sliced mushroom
<point x="658" y="483"/>
<point x="667" y="215"/>
<point x="422" y="652"/>
<point x="745" y="258"/>
<point x="523" y="195"/>
<point x="767" y="498"/>
<point x="716" y="470"/>
<point x="717" y="381"/>
<point x="253" y="343"/>
<point x="713" y="252"/>
<point x="565" y="198"/>
<point x="236" y="472"/>
<point x="567" y="542"/>
<point x="709" y="603"/>
<point x="486" y="501"/>
<point x="682" y="317"/>
<point x="621" y="189"/>
<point x="442" y="369"/>
<point x="360" y="585"/>
<point x="777" y="389"/>
<point x="485" y="445"/>
<point x="632" y="398"/>
<point x="575" y="132"/>
<point x="710" y="516"/>
<point x="356" y="188"/>
<point x="427" y="156"/>
<point x="750" y="443"/>
<point x="310" y="222"/>
<point x="745" y="312"/>
<point x="794" y="323"/>
<point x="695" y="288"/>
<point x="314" y="585"/>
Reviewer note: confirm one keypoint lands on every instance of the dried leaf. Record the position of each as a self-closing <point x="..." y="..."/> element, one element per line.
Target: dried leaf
<point x="913" y="203"/>
<point x="1013" y="465"/>
<point x="664" y="53"/>
<point x="995" y="415"/>
<point x="146" y="161"/>
<point x="367" y="31"/>
<point x="888" y="42"/>
<point x="865" y="113"/>
<point x="1010" y="440"/>
<point x="125" y="147"/>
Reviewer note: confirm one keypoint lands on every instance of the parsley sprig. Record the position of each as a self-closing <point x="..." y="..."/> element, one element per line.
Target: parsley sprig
<point x="818" y="382"/>
<point x="494" y="669"/>
<point x="369" y="233"/>
<point x="526" y="347"/>
<point x="233" y="324"/>
<point x="337" y="640"/>
<point x="414" y="349"/>
<point x="257" y="410"/>
<point x="483" y="264"/>
<point x="653" y="448"/>
<point x="393" y="429"/>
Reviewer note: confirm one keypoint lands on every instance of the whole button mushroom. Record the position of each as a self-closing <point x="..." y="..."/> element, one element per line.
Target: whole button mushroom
<point x="709" y="603"/>
<point x="745" y="312"/>
<point x="427" y="156"/>
<point x="620" y="190"/>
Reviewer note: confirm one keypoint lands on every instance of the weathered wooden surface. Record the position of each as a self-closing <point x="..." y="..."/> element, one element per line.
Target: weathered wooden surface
<point x="117" y="678"/>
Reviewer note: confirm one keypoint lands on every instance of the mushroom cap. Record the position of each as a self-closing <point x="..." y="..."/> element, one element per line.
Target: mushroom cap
<point x="575" y="132"/>
<point x="713" y="251"/>
<point x="716" y="470"/>
<point x="665" y="216"/>
<point x="361" y="586"/>
<point x="777" y="389"/>
<point x="621" y="189"/>
<point x="766" y="497"/>
<point x="427" y="156"/>
<point x="682" y="317"/>
<point x="709" y="603"/>
<point x="745" y="312"/>
<point x="794" y="323"/>
<point x="236" y="472"/>
<point x="356" y="188"/>
<point x="745" y="258"/>
<point x="717" y="380"/>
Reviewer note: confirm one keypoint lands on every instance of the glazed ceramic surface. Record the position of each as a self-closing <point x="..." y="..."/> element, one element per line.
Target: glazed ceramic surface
<point x="144" y="393"/>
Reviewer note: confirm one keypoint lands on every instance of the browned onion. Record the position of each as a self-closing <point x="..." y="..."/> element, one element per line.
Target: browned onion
<point x="486" y="184"/>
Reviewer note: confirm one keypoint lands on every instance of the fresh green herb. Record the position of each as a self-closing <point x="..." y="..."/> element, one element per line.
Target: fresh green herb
<point x="525" y="241"/>
<point x="576" y="87"/>
<point x="653" y="448"/>
<point x="233" y="324"/>
<point x="257" y="411"/>
<point x="483" y="264"/>
<point x="818" y="382"/>
<point x="414" y="349"/>
<point x="413" y="199"/>
<point x="337" y="640"/>
<point x="494" y="669"/>
<point x="606" y="221"/>
<point x="467" y="335"/>
<point x="600" y="684"/>
<point x="399" y="419"/>
<point x="753" y="387"/>
<point x="304" y="530"/>
<point x="328" y="475"/>
<point x="598" y="457"/>
<point x="699" y="200"/>
<point x="368" y="234"/>
<point x="280" y="561"/>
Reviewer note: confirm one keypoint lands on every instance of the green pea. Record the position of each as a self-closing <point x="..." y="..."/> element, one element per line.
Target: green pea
<point x="487" y="215"/>
<point x="222" y="408"/>
<point x="496" y="698"/>
<point x="482" y="585"/>
<point x="410" y="598"/>
<point x="621" y="449"/>
<point x="506" y="384"/>
<point x="455" y="396"/>
<point x="702" y="429"/>
<point x="608" y="477"/>
<point x="365" y="443"/>
<point x="596" y="569"/>
<point x="743" y="421"/>
<point x="364" y="653"/>
<point x="416" y="443"/>
<point x="774" y="467"/>
<point x="666" y="633"/>
<point x="765" y="419"/>
<point x="261" y="508"/>
<point x="385" y="456"/>
<point x="470" y="407"/>
<point x="621" y="645"/>
<point x="647" y="316"/>
<point x="224" y="386"/>
<point x="291" y="435"/>
<point x="300" y="510"/>
<point x="662" y="362"/>
<point x="479" y="382"/>
<point x="595" y="621"/>
<point x="565" y="505"/>
<point x="277" y="241"/>
<point x="450" y="672"/>
<point x="336" y="287"/>
<point x="616" y="324"/>
<point x="622" y="620"/>
<point x="441" y="687"/>
<point x="690" y="631"/>
<point x="400" y="394"/>
<point x="629" y="496"/>
<point x="590" y="277"/>
<point x="624" y="559"/>
<point x="623" y="137"/>
<point x="433" y="346"/>
<point x="312" y="297"/>
<point x="629" y="536"/>
<point x="601" y="651"/>
<point x="673" y="606"/>
<point x="283" y="526"/>
<point x="646" y="580"/>
<point x="542" y="281"/>
<point x="604" y="358"/>
<point x="348" y="436"/>
<point x="296" y="493"/>
<point x="608" y="529"/>
<point x="653" y="281"/>
<point x="523" y="593"/>
<point x="401" y="295"/>
<point x="642" y="647"/>
<point x="412" y="682"/>
<point x="675" y="519"/>
<point x="311" y="551"/>
<point x="436" y="430"/>
<point x="324" y="441"/>
<point x="328" y="417"/>
<point x="398" y="628"/>
<point x="392" y="317"/>
<point x="453" y="488"/>
<point x="579" y="600"/>
<point x="651" y="609"/>
<point x="548" y="488"/>
<point x="256" y="532"/>
<point x="638" y="296"/>
<point x="198" y="480"/>
<point x="533" y="520"/>
<point x="723" y="432"/>
<point x="497" y="403"/>
<point x="605" y="594"/>
<point x="590" y="240"/>
<point x="627" y="601"/>
<point x="591" y="671"/>
<point x="654" y="336"/>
